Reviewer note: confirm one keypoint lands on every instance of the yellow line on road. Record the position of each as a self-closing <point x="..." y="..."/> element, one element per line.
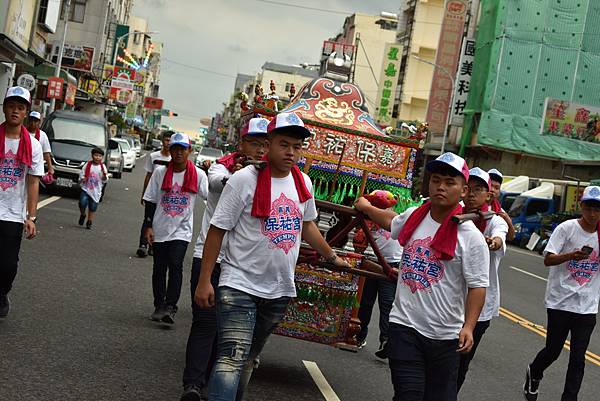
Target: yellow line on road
<point x="541" y="330"/>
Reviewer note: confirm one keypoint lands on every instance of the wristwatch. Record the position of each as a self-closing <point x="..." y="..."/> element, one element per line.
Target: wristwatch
<point x="33" y="219"/>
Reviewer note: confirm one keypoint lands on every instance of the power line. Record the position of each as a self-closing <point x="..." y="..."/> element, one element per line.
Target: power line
<point x="279" y="3"/>
<point x="193" y="67"/>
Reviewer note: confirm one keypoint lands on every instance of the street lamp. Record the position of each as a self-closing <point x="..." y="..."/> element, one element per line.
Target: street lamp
<point x="445" y="71"/>
<point x="116" y="52"/>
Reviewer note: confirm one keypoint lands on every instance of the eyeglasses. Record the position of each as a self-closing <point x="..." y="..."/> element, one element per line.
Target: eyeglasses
<point x="478" y="190"/>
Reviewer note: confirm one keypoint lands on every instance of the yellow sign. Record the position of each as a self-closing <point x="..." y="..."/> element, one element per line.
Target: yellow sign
<point x="572" y="198"/>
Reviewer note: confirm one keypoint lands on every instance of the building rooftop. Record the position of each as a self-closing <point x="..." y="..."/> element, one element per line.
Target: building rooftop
<point x="290" y="69"/>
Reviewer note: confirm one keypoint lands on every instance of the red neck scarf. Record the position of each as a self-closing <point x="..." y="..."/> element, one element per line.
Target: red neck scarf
<point x="88" y="168"/>
<point x="496" y="207"/>
<point x="37" y="134"/>
<point x="261" y="205"/>
<point x="481" y="224"/>
<point x="24" y="152"/>
<point x="190" y="179"/>
<point x="229" y="160"/>
<point x="445" y="239"/>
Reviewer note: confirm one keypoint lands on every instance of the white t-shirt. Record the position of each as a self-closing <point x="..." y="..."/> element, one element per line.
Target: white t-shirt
<point x="216" y="173"/>
<point x="389" y="246"/>
<point x="93" y="185"/>
<point x="573" y="286"/>
<point x="261" y="254"/>
<point x="13" y="189"/>
<point x="43" y="141"/>
<point x="149" y="165"/>
<point x="174" y="216"/>
<point x="496" y="227"/>
<point x="431" y="293"/>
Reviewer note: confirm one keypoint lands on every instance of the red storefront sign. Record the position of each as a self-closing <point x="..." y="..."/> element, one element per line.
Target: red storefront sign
<point x="55" y="88"/>
<point x="447" y="57"/>
<point x="153" y="103"/>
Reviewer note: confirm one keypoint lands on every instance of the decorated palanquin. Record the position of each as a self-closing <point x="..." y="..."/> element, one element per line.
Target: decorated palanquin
<point x="347" y="155"/>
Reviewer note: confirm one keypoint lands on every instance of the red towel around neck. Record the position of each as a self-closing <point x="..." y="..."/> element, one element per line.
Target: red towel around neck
<point x="190" y="179"/>
<point x="445" y="239"/>
<point x="481" y="224"/>
<point x="261" y="204"/>
<point x="496" y="207"/>
<point x="229" y="160"/>
<point x="88" y="168"/>
<point x="24" y="152"/>
<point x="37" y="134"/>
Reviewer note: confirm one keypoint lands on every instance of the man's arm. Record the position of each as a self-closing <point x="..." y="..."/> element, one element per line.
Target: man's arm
<point x="33" y="183"/>
<point x="553" y="259"/>
<point x="382" y="217"/>
<point x="312" y="235"/>
<point x="146" y="181"/>
<point x="511" y="228"/>
<point x="473" y="306"/>
<point x="204" y="295"/>
<point x="48" y="159"/>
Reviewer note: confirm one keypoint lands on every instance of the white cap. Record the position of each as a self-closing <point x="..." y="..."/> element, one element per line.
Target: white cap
<point x="35" y="114"/>
<point x="496" y="174"/>
<point x="452" y="160"/>
<point x="255" y="127"/>
<point x="20" y="92"/>
<point x="591" y="193"/>
<point x="482" y="175"/>
<point x="290" y="122"/>
<point x="181" y="139"/>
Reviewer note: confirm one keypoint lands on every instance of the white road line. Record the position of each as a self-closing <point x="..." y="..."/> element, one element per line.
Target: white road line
<point x="528" y="253"/>
<point x="528" y="273"/>
<point x="320" y="381"/>
<point x="48" y="201"/>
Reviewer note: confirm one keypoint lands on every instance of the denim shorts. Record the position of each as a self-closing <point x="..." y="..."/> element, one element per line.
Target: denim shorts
<point x="86" y="201"/>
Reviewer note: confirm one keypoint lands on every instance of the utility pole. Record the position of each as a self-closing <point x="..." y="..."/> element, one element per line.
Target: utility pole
<point x="61" y="48"/>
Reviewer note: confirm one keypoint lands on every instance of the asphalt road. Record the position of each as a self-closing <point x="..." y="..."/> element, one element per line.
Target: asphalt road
<point x="79" y="326"/>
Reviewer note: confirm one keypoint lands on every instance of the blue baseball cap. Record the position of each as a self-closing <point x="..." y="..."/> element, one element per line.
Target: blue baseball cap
<point x="181" y="139"/>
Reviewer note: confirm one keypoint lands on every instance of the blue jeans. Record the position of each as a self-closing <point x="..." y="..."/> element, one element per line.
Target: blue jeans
<point x="244" y="322"/>
<point x="384" y="291"/>
<point x="201" y="348"/>
<point x="86" y="201"/>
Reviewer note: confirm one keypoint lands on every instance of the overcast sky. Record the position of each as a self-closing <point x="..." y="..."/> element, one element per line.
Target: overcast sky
<point x="236" y="36"/>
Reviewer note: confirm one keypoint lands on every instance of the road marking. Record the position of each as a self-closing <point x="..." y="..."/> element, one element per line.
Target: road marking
<point x="320" y="381"/>
<point x="517" y="250"/>
<point x="541" y="330"/>
<point x="48" y="201"/>
<point x="528" y="273"/>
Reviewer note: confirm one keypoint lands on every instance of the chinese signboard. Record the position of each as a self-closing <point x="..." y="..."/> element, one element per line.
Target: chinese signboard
<point x="26" y="81"/>
<point x="19" y="22"/>
<point x="463" y="82"/>
<point x="366" y="153"/>
<point x="447" y="58"/>
<point x="153" y="103"/>
<point x="74" y="57"/>
<point x="388" y="82"/>
<point x="571" y="120"/>
<point x="55" y="88"/>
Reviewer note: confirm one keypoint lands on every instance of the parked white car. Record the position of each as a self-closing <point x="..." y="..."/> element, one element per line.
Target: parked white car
<point x="211" y="154"/>
<point x="128" y="154"/>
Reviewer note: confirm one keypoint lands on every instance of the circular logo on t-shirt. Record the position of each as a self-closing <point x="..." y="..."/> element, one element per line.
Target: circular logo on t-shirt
<point x="420" y="268"/>
<point x="283" y="224"/>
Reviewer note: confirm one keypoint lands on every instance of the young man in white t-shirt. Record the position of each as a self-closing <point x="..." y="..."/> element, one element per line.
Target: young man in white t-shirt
<point x="381" y="290"/>
<point x="441" y="286"/>
<point x="496" y="179"/>
<point x="572" y="296"/>
<point x="21" y="166"/>
<point x="494" y="231"/>
<point x="92" y="177"/>
<point x="33" y="126"/>
<point x="169" y="202"/>
<point x="265" y="214"/>
<point x="154" y="159"/>
<point x="202" y="341"/>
